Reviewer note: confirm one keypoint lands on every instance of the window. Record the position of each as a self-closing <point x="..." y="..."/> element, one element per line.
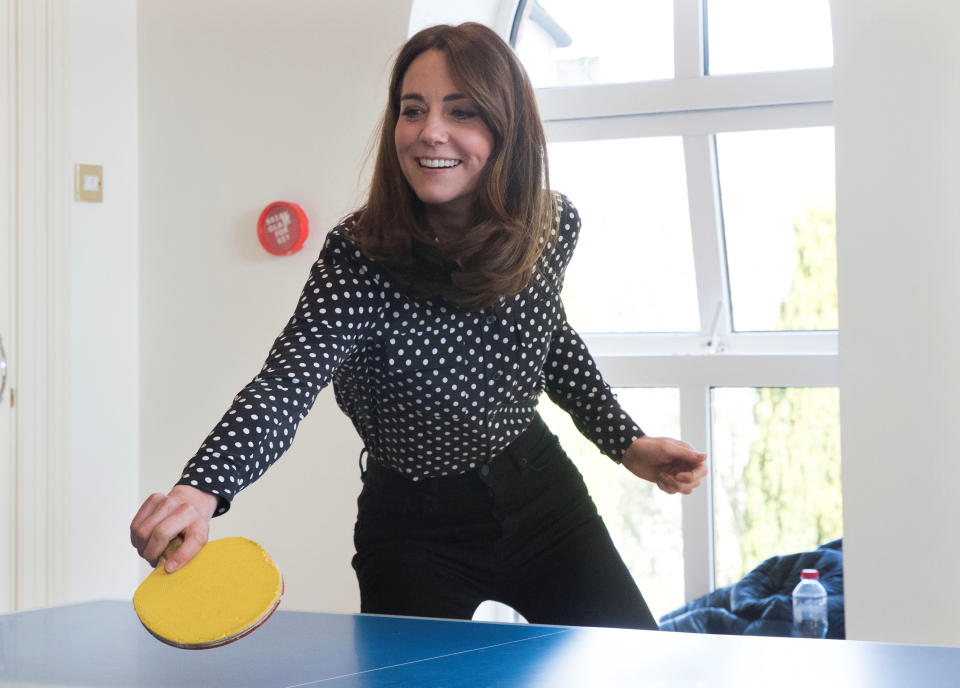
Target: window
<point x="644" y="523"/>
<point x="777" y="194"/>
<point x="614" y="41"/>
<point x="776" y="460"/>
<point x="696" y="139"/>
<point x="768" y="35"/>
<point x="638" y="204"/>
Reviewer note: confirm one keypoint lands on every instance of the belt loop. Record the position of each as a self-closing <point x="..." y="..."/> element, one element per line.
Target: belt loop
<point x="363" y="471"/>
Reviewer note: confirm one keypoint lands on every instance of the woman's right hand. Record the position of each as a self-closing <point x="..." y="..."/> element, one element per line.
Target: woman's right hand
<point x="185" y="510"/>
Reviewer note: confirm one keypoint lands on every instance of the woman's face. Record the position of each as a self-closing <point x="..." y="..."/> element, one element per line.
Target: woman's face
<point x="442" y="142"/>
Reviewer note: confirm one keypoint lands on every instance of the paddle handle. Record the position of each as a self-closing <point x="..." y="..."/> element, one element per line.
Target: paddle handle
<point x="171" y="547"/>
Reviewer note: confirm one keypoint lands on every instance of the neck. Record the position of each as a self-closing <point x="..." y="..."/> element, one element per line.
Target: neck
<point x="447" y="221"/>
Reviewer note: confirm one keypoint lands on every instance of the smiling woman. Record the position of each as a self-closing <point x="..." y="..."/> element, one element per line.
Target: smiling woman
<point x="441" y="143"/>
<point x="435" y="311"/>
<point x="468" y="151"/>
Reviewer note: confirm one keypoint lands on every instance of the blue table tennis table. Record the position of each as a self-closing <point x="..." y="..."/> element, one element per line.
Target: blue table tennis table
<point x="102" y="644"/>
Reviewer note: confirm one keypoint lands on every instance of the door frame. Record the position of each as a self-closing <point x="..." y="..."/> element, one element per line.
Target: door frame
<point x="8" y="144"/>
<point x="36" y="202"/>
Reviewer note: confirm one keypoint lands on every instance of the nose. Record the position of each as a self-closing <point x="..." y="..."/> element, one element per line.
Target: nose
<point x="434" y="130"/>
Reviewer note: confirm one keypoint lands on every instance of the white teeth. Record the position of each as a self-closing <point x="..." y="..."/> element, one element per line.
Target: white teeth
<point x="436" y="162"/>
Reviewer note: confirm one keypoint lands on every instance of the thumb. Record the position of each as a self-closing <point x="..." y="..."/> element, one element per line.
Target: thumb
<point x="685" y="452"/>
<point x="193" y="542"/>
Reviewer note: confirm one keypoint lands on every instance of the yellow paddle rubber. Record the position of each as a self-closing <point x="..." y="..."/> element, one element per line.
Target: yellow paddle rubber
<point x="225" y="592"/>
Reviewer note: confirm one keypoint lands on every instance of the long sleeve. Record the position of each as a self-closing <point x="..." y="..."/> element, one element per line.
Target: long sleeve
<point x="572" y="379"/>
<point x="335" y="310"/>
<point x="575" y="384"/>
<point x="354" y="328"/>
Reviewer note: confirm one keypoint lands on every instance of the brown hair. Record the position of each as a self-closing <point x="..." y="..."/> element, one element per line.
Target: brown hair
<point x="497" y="255"/>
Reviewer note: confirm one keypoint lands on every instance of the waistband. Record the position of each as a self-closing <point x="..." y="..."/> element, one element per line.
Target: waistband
<point x="521" y="446"/>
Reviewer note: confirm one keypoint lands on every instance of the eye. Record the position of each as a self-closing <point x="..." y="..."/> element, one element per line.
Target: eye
<point x="460" y="113"/>
<point x="411" y="112"/>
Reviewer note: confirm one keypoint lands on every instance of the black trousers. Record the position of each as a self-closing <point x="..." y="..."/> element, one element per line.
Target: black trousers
<point x="521" y="530"/>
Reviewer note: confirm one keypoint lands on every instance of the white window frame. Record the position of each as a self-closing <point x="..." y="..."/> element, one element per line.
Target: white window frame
<point x="697" y="107"/>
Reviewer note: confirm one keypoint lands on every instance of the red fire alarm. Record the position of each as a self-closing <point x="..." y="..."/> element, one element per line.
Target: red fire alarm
<point x="282" y="228"/>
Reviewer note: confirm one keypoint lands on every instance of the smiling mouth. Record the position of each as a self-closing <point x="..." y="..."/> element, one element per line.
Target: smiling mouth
<point x="434" y="163"/>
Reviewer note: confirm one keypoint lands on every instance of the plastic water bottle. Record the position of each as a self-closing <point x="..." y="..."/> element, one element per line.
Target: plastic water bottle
<point x="810" y="606"/>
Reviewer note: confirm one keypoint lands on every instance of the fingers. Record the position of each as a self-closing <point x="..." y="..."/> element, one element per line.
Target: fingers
<point x="148" y="506"/>
<point x="141" y="526"/>
<point x="176" y="522"/>
<point x="686" y="469"/>
<point x="153" y="527"/>
<point x="667" y="484"/>
<point x="666" y="450"/>
<point x="673" y="465"/>
<point x="679" y="476"/>
<point x="683" y="451"/>
<point x="160" y="519"/>
<point x="684" y="474"/>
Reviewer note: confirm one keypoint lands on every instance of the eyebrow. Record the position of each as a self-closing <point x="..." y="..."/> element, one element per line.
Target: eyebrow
<point x="447" y="98"/>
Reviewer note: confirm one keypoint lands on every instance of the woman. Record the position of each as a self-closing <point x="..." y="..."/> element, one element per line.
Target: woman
<point x="435" y="312"/>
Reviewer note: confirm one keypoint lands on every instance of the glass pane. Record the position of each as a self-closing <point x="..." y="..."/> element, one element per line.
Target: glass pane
<point x="776" y="474"/>
<point x="643" y="521"/>
<point x="633" y="267"/>
<point x="779" y="220"/>
<point x="571" y="42"/>
<point x="768" y="35"/>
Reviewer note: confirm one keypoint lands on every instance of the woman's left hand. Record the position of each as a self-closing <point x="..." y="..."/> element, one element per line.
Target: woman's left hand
<point x="673" y="465"/>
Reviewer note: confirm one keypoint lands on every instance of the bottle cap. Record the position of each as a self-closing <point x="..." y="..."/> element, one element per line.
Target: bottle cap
<point x="810" y="574"/>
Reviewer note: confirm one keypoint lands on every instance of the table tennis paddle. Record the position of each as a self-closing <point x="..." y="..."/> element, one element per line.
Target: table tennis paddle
<point x="225" y="592"/>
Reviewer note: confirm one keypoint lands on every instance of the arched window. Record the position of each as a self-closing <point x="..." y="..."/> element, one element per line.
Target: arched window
<point x="696" y="139"/>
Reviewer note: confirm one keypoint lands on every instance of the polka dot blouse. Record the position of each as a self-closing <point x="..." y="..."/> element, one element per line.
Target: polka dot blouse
<point x="431" y="389"/>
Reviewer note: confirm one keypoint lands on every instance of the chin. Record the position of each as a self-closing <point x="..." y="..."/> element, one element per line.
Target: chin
<point x="436" y="199"/>
<point x="439" y="198"/>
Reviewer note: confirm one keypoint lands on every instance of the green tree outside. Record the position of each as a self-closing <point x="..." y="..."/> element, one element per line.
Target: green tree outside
<point x="791" y="483"/>
<point x="786" y="497"/>
<point x="644" y="523"/>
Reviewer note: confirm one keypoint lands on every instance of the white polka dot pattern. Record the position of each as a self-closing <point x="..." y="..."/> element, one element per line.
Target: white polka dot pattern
<point x="432" y="390"/>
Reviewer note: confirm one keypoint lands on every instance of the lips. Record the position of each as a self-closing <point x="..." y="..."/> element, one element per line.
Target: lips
<point x="438" y="163"/>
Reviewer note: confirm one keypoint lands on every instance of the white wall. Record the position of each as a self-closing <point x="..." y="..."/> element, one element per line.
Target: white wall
<point x="497" y="14"/>
<point x="897" y="99"/>
<point x="104" y="379"/>
<point x="241" y="104"/>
